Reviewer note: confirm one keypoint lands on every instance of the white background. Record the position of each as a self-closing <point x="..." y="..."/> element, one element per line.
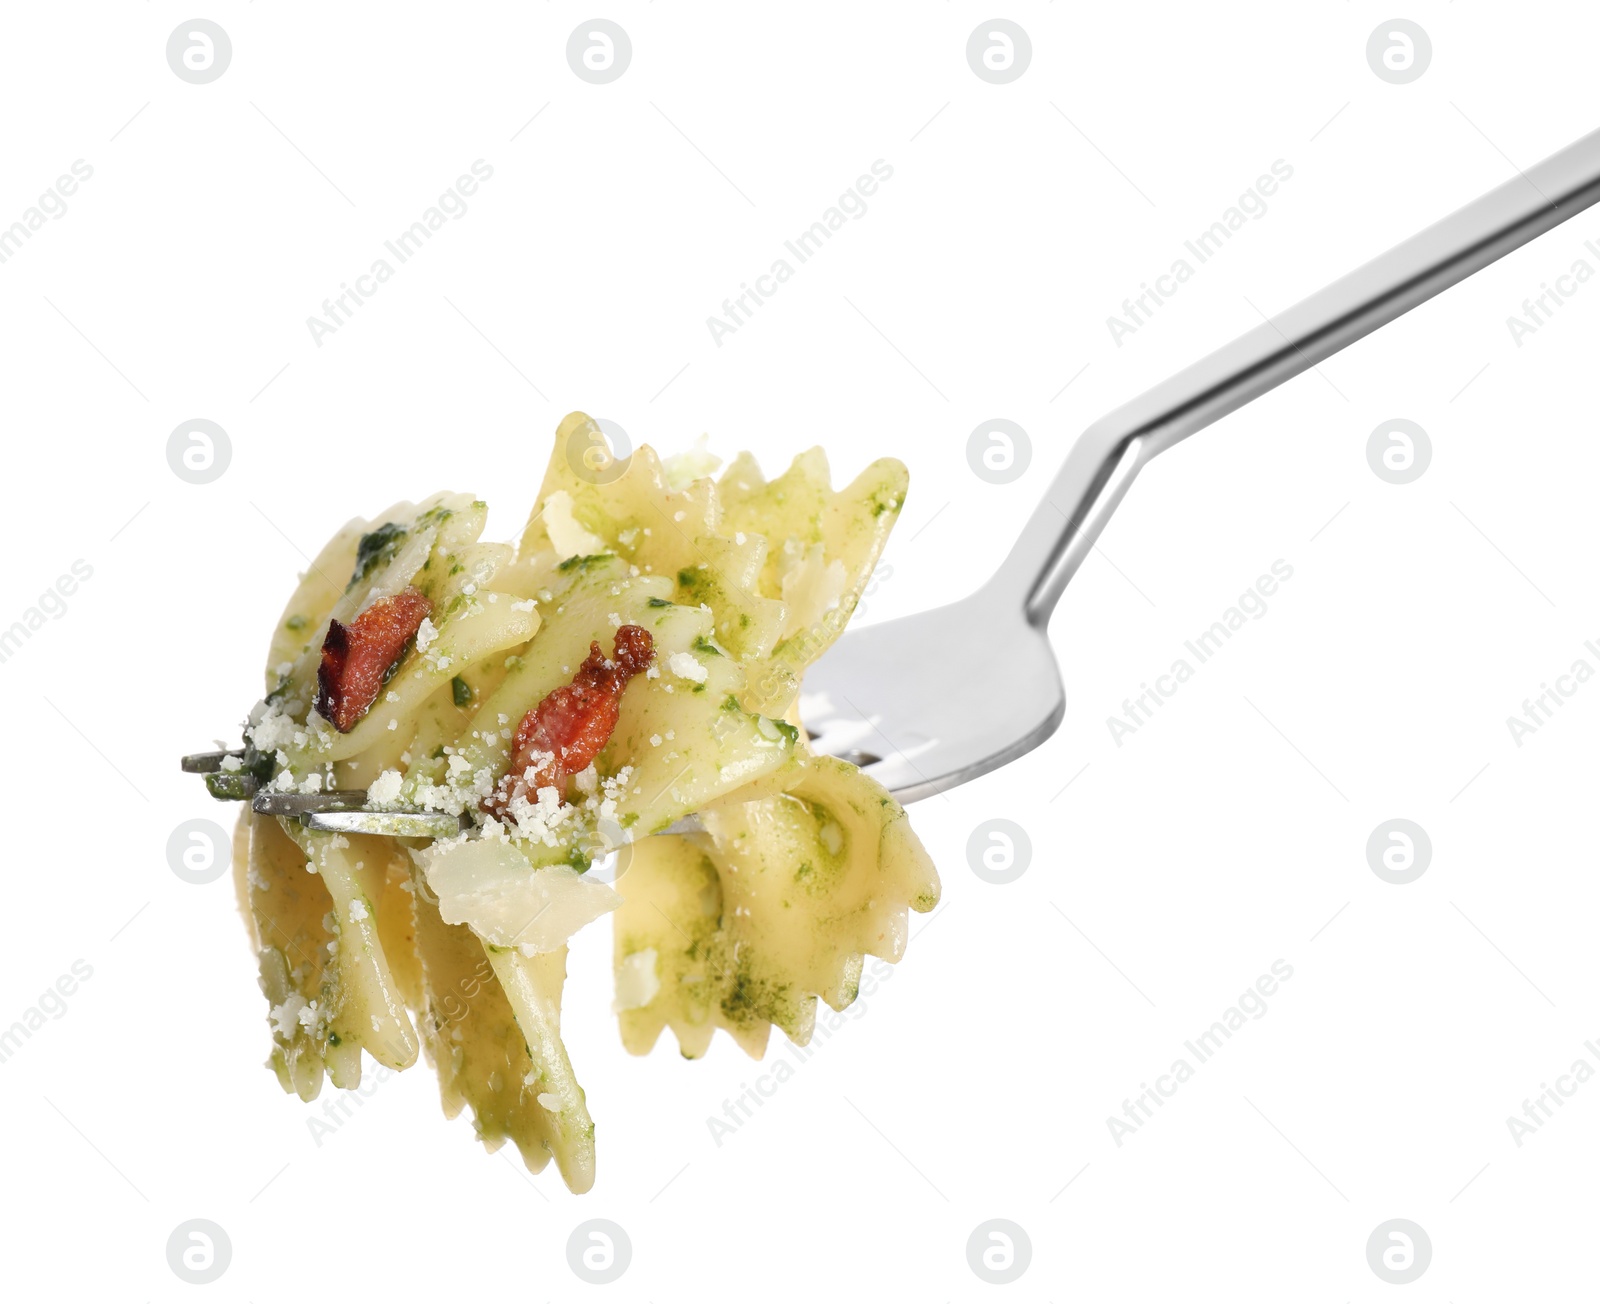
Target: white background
<point x="1173" y="871"/>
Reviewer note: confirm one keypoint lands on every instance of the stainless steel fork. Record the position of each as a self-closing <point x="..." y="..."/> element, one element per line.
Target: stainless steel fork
<point x="933" y="700"/>
<point x="930" y="701"/>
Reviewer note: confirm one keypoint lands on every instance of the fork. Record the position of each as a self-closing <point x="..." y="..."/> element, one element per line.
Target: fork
<point x="955" y="692"/>
<point x="930" y="701"/>
<point x="337" y="810"/>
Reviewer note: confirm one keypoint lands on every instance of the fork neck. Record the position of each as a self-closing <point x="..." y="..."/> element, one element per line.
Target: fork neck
<point x="1103" y="463"/>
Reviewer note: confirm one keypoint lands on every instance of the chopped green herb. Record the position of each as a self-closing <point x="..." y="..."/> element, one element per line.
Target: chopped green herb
<point x="461" y="691"/>
<point x="237" y="786"/>
<point x="296" y="623"/>
<point x="658" y="602"/>
<point x="377" y="547"/>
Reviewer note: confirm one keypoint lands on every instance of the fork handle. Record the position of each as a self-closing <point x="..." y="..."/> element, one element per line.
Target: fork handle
<point x="1109" y="454"/>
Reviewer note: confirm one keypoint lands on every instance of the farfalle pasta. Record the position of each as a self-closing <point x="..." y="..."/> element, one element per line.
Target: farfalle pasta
<point x="605" y="713"/>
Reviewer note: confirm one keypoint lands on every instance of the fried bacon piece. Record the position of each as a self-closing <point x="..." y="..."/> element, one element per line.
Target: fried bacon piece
<point x="572" y="724"/>
<point x="357" y="658"/>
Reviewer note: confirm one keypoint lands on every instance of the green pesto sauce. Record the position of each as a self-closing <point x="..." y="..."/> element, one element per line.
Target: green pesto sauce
<point x="376" y="548"/>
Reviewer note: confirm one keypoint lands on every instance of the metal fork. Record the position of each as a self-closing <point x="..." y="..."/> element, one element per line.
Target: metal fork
<point x="932" y="700"/>
<point x="338" y="810"/>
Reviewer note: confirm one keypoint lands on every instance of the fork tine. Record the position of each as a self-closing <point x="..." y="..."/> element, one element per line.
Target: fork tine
<point x="390" y="823"/>
<point x="238" y="786"/>
<point x="304" y="803"/>
<point x="208" y="762"/>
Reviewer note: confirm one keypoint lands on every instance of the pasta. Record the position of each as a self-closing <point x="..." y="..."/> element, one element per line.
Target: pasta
<point x="633" y="659"/>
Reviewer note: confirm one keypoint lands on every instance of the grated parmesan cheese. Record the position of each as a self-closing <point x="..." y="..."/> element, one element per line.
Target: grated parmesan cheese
<point x="685" y="666"/>
<point x="385" y="788"/>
